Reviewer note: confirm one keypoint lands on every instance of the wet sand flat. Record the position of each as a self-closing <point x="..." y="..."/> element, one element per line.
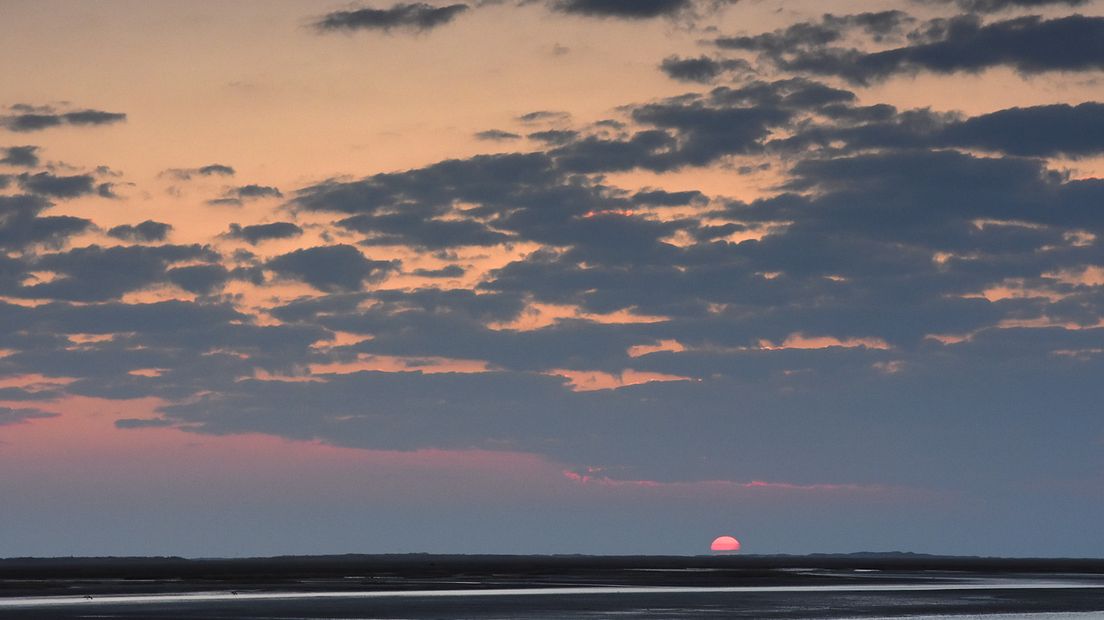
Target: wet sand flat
<point x="551" y="587"/>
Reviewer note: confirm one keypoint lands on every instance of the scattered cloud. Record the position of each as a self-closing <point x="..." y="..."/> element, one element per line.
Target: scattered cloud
<point x="47" y="184"/>
<point x="257" y="233"/>
<point x="415" y="16"/>
<point x="21" y="222"/>
<point x="186" y="174"/>
<point x="21" y="156"/>
<point x="9" y="415"/>
<point x="554" y="136"/>
<point x="96" y="273"/>
<point x="146" y="231"/>
<point x="199" y="279"/>
<point x="496" y="135"/>
<point x="236" y="196"/>
<point x="702" y="69"/>
<point x="634" y="9"/>
<point x="544" y="116"/>
<point x="331" y="268"/>
<point x="451" y="271"/>
<point x="993" y="6"/>
<point x="25" y="119"/>
<point x="964" y="43"/>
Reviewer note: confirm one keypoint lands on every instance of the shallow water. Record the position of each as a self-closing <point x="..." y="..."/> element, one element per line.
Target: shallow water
<point x="199" y="597"/>
<point x="835" y="595"/>
<point x="1060" y="615"/>
<point x="417" y="588"/>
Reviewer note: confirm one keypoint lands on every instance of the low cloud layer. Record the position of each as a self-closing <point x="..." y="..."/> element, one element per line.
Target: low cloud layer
<point x="873" y="272"/>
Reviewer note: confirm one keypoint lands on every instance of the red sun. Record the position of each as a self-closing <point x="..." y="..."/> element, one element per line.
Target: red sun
<point x="725" y="544"/>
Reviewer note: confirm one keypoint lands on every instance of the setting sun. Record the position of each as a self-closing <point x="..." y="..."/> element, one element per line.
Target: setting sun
<point x="726" y="544"/>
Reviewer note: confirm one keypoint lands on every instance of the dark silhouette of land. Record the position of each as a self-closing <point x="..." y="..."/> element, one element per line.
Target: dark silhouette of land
<point x="815" y="586"/>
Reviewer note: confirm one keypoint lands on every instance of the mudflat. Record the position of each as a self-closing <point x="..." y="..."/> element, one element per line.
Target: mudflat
<point x="430" y="586"/>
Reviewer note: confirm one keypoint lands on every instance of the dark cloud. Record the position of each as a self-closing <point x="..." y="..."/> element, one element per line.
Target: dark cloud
<point x="93" y="117"/>
<point x="199" y="279"/>
<point x="414" y="229"/>
<point x="1029" y="192"/>
<point x="146" y="231"/>
<point x="142" y="423"/>
<point x="185" y="174"/>
<point x="697" y="130"/>
<point x="868" y="286"/>
<point x="854" y="255"/>
<point x="215" y="169"/>
<point x="631" y="9"/>
<point x="22" y="156"/>
<point x="8" y="415"/>
<point x="451" y="271"/>
<point x="416" y="16"/>
<point x="993" y="6"/>
<point x="21" y="223"/>
<point x="816" y="35"/>
<point x="877" y="25"/>
<point x="499" y="180"/>
<point x="26" y="395"/>
<point x="30" y="107"/>
<point x="47" y="184"/>
<point x="157" y="321"/>
<point x="96" y="273"/>
<point x="496" y="135"/>
<point x="660" y="198"/>
<point x="479" y="402"/>
<point x="192" y="346"/>
<point x="45" y="118"/>
<point x="888" y="425"/>
<point x="106" y="190"/>
<point x="420" y="325"/>
<point x="1027" y="44"/>
<point x="30" y="122"/>
<point x="791" y="38"/>
<point x="257" y="233"/>
<point x="256" y="191"/>
<point x="708" y="131"/>
<point x="331" y="268"/>
<point x="544" y="116"/>
<point x="702" y="69"/>
<point x="1038" y="131"/>
<point x="554" y="136"/>
<point x="235" y="196"/>
<point x="650" y="149"/>
<point x="538" y="197"/>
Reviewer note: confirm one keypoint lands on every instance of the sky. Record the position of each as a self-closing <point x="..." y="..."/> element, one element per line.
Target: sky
<point x="551" y="276"/>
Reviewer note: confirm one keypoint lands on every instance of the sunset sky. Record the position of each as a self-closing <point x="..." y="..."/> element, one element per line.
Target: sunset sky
<point x="551" y="276"/>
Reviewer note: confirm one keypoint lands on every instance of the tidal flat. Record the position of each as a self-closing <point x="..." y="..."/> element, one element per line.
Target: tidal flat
<point x="432" y="586"/>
